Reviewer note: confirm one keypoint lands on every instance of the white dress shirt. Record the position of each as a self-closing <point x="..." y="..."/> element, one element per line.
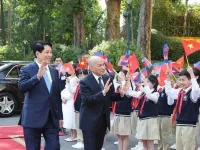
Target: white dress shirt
<point x="97" y="78"/>
<point x="150" y="96"/>
<point x="173" y="93"/>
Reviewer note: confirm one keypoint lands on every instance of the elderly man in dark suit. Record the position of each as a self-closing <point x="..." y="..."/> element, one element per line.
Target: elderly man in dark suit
<point x="97" y="93"/>
<point x="42" y="109"/>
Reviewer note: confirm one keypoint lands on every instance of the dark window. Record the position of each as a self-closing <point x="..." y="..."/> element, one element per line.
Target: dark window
<point x="13" y="73"/>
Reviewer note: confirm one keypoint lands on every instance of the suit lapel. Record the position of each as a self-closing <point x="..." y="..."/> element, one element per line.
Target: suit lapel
<point x="52" y="77"/>
<point x="94" y="83"/>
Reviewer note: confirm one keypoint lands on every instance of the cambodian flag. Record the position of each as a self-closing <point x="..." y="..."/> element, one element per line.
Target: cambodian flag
<point x="144" y="72"/>
<point x="175" y="70"/>
<point x="146" y="62"/>
<point x="197" y="65"/>
<point x="100" y="54"/>
<point x="157" y="66"/>
<point x="165" y="51"/>
<point x="123" y="61"/>
<point x="137" y="77"/>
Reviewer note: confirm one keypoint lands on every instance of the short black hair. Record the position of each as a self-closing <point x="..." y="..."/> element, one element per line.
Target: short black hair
<point x="58" y="57"/>
<point x="185" y="73"/>
<point x="197" y="73"/>
<point x="154" y="80"/>
<point x="39" y="46"/>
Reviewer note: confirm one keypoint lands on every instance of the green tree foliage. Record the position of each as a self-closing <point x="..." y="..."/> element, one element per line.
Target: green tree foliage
<point x="115" y="49"/>
<point x="52" y="20"/>
<point x="168" y="17"/>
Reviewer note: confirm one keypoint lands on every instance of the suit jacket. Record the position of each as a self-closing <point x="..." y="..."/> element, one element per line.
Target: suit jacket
<point x="94" y="104"/>
<point x="38" y="101"/>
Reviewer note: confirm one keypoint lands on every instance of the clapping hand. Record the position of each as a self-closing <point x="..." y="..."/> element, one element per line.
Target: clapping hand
<point x="41" y="70"/>
<point x="125" y="86"/>
<point x="107" y="86"/>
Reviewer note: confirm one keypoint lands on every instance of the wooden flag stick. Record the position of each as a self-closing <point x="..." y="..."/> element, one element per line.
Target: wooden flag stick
<point x="187" y="60"/>
<point x="139" y="69"/>
<point x="171" y="72"/>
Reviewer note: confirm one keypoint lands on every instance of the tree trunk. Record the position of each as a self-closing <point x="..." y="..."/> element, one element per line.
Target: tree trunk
<point x="144" y="29"/>
<point x="79" y="28"/>
<point x="3" y="34"/>
<point x="9" y="24"/>
<point x="185" y="19"/>
<point x="113" y="19"/>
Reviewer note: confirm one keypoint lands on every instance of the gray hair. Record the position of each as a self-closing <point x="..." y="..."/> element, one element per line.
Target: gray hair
<point x="93" y="59"/>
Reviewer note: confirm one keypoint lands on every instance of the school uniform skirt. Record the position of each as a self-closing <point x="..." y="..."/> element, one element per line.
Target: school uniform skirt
<point x="134" y="119"/>
<point x="122" y="125"/>
<point x="148" y="129"/>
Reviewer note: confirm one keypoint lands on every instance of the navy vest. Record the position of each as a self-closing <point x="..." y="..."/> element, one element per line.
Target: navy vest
<point x="190" y="111"/>
<point x="163" y="108"/>
<point x="124" y="107"/>
<point x="150" y="109"/>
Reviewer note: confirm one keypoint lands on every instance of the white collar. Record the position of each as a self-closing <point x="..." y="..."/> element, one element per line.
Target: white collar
<point x="39" y="65"/>
<point x="186" y="90"/>
<point x="96" y="77"/>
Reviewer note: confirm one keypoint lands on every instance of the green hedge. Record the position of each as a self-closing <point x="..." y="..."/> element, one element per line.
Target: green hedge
<point x="175" y="46"/>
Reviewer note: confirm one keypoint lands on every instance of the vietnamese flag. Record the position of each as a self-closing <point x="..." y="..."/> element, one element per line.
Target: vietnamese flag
<point x="67" y="67"/>
<point x="163" y="76"/>
<point x="179" y="63"/>
<point x="82" y="63"/>
<point x="190" y="46"/>
<point x="133" y="63"/>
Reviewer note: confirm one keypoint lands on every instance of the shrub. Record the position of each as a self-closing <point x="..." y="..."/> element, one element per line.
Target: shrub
<point x="68" y="53"/>
<point x="175" y="46"/>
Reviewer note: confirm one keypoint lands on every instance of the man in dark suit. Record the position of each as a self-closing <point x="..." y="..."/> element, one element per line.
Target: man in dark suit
<point x="97" y="92"/>
<point x="42" y="109"/>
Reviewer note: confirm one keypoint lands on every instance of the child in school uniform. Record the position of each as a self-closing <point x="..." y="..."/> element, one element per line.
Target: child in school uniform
<point x="122" y="120"/>
<point x="165" y="109"/>
<point x="186" y="110"/>
<point x="147" y="130"/>
<point x="173" y="129"/>
<point x="81" y="73"/>
<point x="134" y="116"/>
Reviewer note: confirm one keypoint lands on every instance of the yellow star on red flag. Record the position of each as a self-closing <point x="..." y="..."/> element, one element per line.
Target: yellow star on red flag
<point x="190" y="46"/>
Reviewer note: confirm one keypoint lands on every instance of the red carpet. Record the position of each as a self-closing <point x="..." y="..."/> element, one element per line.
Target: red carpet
<point x="12" y="138"/>
<point x="6" y="131"/>
<point x="11" y="144"/>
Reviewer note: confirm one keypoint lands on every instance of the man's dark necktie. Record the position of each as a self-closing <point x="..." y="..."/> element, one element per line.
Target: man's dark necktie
<point x="102" y="87"/>
<point x="100" y="83"/>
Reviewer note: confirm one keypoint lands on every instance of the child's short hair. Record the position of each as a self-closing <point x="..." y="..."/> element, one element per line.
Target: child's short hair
<point x="185" y="73"/>
<point x="82" y="71"/>
<point x="197" y="73"/>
